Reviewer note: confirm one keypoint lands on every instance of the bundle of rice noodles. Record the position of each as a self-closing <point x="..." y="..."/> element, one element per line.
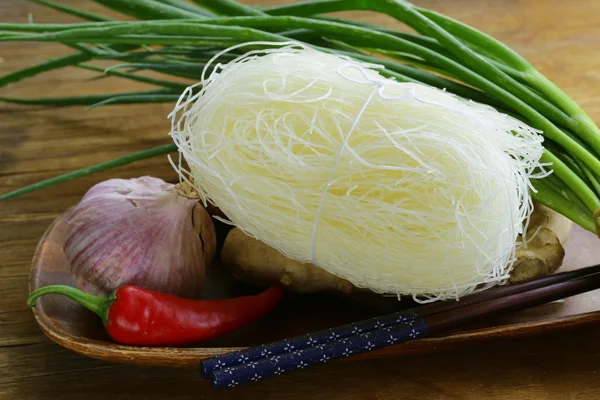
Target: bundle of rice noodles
<point x="399" y="188"/>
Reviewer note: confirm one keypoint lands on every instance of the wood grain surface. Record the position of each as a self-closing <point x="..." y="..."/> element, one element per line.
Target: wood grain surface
<point x="561" y="38"/>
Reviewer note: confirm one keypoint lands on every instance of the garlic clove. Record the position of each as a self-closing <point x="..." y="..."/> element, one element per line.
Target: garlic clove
<point x="140" y="232"/>
<point x="205" y="229"/>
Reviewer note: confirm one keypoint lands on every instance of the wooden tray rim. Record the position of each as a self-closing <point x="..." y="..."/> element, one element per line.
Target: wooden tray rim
<point x="189" y="357"/>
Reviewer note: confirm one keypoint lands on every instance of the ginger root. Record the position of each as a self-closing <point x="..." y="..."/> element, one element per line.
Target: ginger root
<point x="544" y="252"/>
<point x="254" y="262"/>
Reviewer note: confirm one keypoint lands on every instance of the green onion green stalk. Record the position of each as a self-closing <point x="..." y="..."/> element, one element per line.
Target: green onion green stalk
<point x="176" y="38"/>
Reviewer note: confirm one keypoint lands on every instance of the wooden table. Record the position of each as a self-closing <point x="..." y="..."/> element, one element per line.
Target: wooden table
<point x="561" y="38"/>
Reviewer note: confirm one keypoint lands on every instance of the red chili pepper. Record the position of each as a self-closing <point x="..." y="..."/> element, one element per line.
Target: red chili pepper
<point x="137" y="316"/>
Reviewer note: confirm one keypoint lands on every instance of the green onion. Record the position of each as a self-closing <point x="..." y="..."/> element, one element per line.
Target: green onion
<point x="118" y="162"/>
<point x="148" y="9"/>
<point x="178" y="87"/>
<point x="73" y="11"/>
<point x="94" y="98"/>
<point x="188" y="7"/>
<point x="443" y="53"/>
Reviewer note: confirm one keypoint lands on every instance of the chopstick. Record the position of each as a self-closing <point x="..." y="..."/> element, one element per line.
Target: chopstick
<point x="403" y="332"/>
<point x="528" y="295"/>
<point x="210" y="365"/>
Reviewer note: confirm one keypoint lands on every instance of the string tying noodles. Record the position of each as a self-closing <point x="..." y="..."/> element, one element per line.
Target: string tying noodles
<point x="400" y="188"/>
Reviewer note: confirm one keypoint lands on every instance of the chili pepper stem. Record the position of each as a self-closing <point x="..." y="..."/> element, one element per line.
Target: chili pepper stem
<point x="97" y="304"/>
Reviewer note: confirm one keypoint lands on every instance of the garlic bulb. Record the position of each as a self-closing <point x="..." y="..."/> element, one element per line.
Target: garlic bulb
<point x="141" y="232"/>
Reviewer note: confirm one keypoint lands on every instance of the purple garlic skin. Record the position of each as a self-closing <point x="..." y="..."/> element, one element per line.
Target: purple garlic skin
<point x="139" y="232"/>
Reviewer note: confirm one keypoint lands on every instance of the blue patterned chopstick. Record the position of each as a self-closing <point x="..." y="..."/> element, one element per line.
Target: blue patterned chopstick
<point x="319" y="354"/>
<point x="210" y="365"/>
<point x="401" y="332"/>
<point x="213" y="368"/>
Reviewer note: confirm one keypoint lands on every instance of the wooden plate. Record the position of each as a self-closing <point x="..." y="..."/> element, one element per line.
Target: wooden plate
<point x="76" y="328"/>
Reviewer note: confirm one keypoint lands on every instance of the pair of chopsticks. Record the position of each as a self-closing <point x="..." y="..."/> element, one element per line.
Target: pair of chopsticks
<point x="264" y="361"/>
